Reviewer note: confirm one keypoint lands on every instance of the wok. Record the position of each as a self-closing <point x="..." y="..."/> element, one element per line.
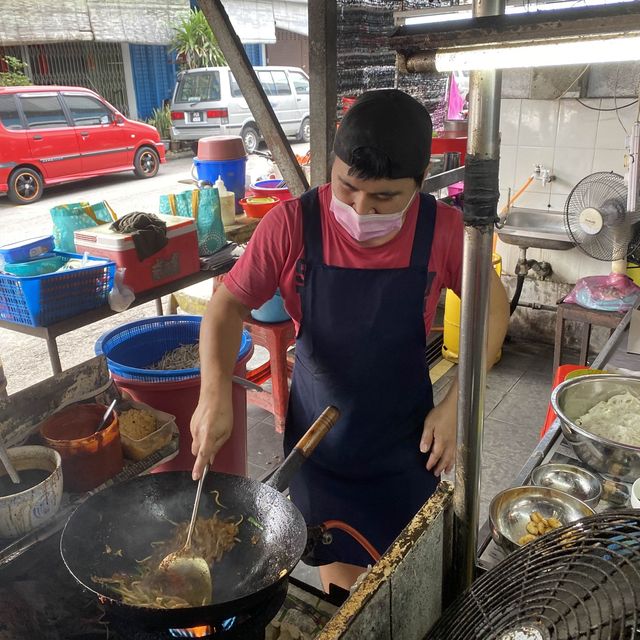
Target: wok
<point x="114" y="528"/>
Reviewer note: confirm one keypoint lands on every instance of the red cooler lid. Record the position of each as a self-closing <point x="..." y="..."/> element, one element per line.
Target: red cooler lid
<point x="221" y="148"/>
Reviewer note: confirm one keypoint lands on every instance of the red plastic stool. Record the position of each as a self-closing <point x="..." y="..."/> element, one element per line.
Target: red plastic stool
<point x="561" y="373"/>
<point x="276" y="338"/>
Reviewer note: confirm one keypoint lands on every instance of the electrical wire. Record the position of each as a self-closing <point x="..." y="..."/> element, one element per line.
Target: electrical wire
<point x="573" y="82"/>
<point x="615" y="101"/>
<point x="624" y="106"/>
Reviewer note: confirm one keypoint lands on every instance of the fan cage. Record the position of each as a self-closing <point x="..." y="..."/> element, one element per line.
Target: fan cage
<point x="581" y="581"/>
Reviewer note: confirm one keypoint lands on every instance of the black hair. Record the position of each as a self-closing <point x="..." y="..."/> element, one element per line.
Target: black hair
<point x="368" y="163"/>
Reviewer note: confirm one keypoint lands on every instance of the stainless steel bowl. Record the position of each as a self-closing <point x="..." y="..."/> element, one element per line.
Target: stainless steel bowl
<point x="568" y="478"/>
<point x="572" y="399"/>
<point x="510" y="511"/>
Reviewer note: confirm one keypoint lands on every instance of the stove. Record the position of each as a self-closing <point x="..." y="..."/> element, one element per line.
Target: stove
<point x="40" y="599"/>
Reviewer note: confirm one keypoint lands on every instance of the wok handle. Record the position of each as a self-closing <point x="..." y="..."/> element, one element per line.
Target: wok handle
<point x="305" y="447"/>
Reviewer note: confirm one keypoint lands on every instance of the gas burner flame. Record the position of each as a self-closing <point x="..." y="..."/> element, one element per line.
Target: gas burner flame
<point x="203" y="631"/>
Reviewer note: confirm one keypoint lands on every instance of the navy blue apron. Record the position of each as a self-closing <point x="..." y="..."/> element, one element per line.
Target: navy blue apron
<point x="361" y="347"/>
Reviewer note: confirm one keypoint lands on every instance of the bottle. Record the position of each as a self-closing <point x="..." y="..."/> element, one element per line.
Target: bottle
<point x="227" y="203"/>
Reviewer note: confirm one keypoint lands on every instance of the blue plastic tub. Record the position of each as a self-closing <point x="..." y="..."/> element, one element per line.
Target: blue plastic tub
<point x="132" y="347"/>
<point x="271" y="311"/>
<point x="40" y="301"/>
<point x="233" y="174"/>
<point x="26" y="250"/>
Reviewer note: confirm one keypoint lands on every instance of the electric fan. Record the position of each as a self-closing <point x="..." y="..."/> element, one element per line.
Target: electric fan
<point x="599" y="221"/>
<point x="580" y="582"/>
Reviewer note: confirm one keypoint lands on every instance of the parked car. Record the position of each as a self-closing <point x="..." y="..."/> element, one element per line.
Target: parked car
<point x="208" y="102"/>
<point x="50" y="135"/>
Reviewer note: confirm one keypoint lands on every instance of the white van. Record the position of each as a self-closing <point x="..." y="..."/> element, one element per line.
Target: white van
<point x="208" y="102"/>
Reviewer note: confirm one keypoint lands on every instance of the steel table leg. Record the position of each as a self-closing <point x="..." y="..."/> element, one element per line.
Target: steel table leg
<point x="54" y="356"/>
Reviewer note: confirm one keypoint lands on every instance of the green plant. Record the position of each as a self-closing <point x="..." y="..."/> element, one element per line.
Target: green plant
<point x="15" y="76"/>
<point x="194" y="43"/>
<point x="161" y="120"/>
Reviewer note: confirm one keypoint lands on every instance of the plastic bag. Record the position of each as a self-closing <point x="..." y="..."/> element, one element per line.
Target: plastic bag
<point x="615" y="292"/>
<point x="203" y="205"/>
<point x="120" y="296"/>
<point x="68" y="218"/>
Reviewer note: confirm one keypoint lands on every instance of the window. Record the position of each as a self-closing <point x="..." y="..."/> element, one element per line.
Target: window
<point x="300" y="83"/>
<point x="199" y="87"/>
<point x="281" y="83"/>
<point x="43" y="112"/>
<point x="235" y="89"/>
<point x="267" y="82"/>
<point x="9" y="115"/>
<point x="87" y="111"/>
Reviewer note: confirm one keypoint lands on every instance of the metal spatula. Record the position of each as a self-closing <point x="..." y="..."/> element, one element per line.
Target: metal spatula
<point x="187" y="575"/>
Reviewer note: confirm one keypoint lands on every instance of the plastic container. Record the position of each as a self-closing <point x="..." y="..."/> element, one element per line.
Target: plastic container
<point x="30" y="508"/>
<point x="133" y="346"/>
<point x="219" y="148"/>
<point x="233" y="172"/>
<point x="258" y="206"/>
<point x="227" y="203"/>
<point x="451" y="335"/>
<point x="271" y="311"/>
<point x="47" y="263"/>
<point x="270" y="188"/>
<point x="89" y="458"/>
<point x="179" y="258"/>
<point x="39" y="301"/>
<point x="25" y="250"/>
<point x="139" y="449"/>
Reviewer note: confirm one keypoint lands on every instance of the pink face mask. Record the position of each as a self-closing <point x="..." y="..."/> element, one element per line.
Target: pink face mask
<point x="368" y="226"/>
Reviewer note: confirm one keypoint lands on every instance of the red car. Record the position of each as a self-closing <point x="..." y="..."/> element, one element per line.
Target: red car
<point x="50" y="135"/>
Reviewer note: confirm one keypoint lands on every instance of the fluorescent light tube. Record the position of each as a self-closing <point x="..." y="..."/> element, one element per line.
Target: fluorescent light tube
<point x="615" y="49"/>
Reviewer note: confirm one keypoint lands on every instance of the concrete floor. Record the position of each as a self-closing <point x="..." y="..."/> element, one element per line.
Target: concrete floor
<point x="516" y="401"/>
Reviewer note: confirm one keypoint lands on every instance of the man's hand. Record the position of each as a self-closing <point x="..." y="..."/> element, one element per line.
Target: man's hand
<point x="211" y="427"/>
<point x="439" y="434"/>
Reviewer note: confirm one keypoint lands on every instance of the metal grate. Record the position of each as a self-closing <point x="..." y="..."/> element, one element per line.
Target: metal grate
<point x="95" y="65"/>
<point x="578" y="582"/>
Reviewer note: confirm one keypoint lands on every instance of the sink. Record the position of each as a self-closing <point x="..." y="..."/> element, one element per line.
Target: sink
<point x="535" y="228"/>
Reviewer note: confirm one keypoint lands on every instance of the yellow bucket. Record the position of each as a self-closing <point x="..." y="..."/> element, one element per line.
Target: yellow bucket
<point x="451" y="336"/>
<point x="633" y="271"/>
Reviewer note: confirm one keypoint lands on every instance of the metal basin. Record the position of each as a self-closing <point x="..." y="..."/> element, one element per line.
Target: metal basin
<point x="535" y="228"/>
<point x="510" y="511"/>
<point x="572" y="399"/>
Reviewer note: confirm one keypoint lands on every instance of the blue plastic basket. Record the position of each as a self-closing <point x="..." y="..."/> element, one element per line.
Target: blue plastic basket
<point x="39" y="301"/>
<point x="136" y="345"/>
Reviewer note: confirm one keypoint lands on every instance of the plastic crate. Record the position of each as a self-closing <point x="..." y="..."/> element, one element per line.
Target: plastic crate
<point x="131" y="348"/>
<point x="39" y="301"/>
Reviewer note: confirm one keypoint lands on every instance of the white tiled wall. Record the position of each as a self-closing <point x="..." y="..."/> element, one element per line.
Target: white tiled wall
<point x="570" y="140"/>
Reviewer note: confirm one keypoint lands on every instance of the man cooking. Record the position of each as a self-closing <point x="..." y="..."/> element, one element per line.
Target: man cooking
<point x="360" y="264"/>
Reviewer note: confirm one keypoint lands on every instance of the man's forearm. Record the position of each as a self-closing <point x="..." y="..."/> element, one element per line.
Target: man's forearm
<point x="220" y="337"/>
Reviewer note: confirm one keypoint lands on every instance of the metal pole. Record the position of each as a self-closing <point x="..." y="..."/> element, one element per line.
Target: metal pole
<point x="255" y="96"/>
<point x="481" y="200"/>
<point x="322" y="72"/>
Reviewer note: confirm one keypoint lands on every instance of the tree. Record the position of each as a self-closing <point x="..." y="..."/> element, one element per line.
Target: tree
<point x="14" y="76"/>
<point x="195" y="44"/>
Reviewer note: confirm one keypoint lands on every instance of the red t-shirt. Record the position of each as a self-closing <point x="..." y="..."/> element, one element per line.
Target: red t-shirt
<point x="270" y="259"/>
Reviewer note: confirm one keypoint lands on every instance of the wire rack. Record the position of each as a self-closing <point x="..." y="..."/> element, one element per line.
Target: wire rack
<point x="578" y="582"/>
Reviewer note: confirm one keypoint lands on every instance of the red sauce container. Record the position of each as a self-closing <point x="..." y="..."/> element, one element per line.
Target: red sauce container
<point x="89" y="458"/>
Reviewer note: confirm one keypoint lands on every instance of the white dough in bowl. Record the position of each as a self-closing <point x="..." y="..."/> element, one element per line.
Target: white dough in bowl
<point x="617" y="419"/>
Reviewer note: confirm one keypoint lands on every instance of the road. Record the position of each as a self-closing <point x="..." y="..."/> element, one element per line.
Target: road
<point x="123" y="191"/>
<point x="24" y="358"/>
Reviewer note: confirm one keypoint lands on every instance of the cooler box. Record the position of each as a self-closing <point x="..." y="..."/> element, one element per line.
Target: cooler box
<point x="177" y="260"/>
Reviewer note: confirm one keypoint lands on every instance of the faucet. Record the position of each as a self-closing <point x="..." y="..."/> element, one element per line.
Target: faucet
<point x="543" y="174"/>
